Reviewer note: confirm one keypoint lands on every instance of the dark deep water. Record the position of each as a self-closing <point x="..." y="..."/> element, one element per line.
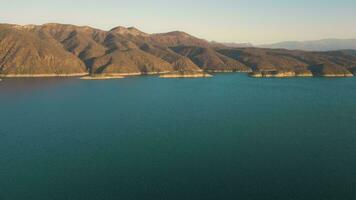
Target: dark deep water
<point x="228" y="137"/>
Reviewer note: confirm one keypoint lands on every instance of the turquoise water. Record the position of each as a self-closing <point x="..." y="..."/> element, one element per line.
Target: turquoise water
<point x="228" y="137"/>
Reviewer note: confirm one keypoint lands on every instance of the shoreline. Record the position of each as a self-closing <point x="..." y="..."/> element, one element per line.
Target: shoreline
<point x="187" y="74"/>
<point x="41" y="75"/>
<point x="136" y="73"/>
<point x="101" y="77"/>
<point x="170" y="74"/>
<point x="227" y="71"/>
<point x="292" y="74"/>
<point x="337" y="75"/>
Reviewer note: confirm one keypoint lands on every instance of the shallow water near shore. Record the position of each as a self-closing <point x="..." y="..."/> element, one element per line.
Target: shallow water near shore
<point x="226" y="137"/>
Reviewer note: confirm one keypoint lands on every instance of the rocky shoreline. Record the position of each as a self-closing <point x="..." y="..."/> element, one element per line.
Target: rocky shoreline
<point x="133" y="73"/>
<point x="229" y="71"/>
<point x="41" y="75"/>
<point x="337" y="75"/>
<point x="101" y="77"/>
<point x="184" y="74"/>
<point x="289" y="74"/>
<point x="280" y="74"/>
<point x="194" y="74"/>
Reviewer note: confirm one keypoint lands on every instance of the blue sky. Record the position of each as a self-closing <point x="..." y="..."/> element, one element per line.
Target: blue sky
<point x="256" y="21"/>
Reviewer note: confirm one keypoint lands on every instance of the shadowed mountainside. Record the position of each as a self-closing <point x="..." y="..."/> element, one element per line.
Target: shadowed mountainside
<point x="334" y="63"/>
<point x="75" y="50"/>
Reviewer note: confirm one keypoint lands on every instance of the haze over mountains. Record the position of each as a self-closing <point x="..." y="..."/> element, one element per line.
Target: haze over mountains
<point x="312" y="45"/>
<point x="316" y="45"/>
<point x="58" y="49"/>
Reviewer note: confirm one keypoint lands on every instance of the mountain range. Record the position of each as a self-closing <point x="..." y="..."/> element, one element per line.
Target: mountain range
<point x="316" y="45"/>
<point x="69" y="50"/>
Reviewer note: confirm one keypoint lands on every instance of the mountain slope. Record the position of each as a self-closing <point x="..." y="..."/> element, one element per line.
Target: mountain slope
<point x="82" y="41"/>
<point x="209" y="59"/>
<point x="117" y="50"/>
<point x="130" y="61"/>
<point x="23" y="51"/>
<point x="178" y="62"/>
<point x="176" y="38"/>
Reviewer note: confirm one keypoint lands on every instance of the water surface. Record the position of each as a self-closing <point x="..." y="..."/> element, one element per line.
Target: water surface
<point x="227" y="137"/>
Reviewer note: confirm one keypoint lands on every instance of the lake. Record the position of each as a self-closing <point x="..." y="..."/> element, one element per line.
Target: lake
<point x="226" y="137"/>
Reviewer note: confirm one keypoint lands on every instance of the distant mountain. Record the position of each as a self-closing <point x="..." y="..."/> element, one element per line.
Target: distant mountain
<point x="238" y="45"/>
<point x="317" y="45"/>
<point x="60" y="49"/>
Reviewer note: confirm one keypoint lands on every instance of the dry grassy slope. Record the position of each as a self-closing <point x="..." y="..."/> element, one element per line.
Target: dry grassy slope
<point x="129" y="61"/>
<point x="94" y="47"/>
<point x="176" y="38"/>
<point x="128" y="31"/>
<point x="23" y="51"/>
<point x="82" y="41"/>
<point x="178" y="62"/>
<point x="209" y="59"/>
<point x="144" y="53"/>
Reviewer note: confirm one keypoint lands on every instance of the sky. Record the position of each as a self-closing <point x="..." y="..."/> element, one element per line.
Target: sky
<point x="239" y="21"/>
